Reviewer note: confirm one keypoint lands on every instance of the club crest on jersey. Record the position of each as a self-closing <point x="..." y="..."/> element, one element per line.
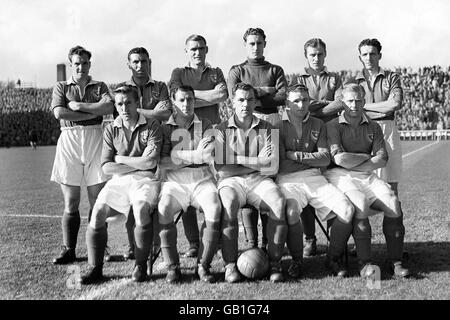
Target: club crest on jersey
<point x="155" y="94"/>
<point x="314" y="135"/>
<point x="213" y="77"/>
<point x="370" y="135"/>
<point x="143" y="136"/>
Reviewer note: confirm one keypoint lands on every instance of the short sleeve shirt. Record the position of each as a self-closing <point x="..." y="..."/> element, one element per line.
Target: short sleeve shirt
<point x="67" y="91"/>
<point x="153" y="94"/>
<point x="147" y="133"/>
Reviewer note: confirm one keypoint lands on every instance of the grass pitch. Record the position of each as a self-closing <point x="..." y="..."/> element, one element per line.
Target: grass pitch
<point x="30" y="236"/>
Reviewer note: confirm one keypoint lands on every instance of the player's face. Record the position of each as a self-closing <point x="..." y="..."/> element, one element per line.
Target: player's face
<point x="196" y="52"/>
<point x="80" y="66"/>
<point x="126" y="106"/>
<point x="370" y="57"/>
<point x="184" y="103"/>
<point x="140" y="65"/>
<point x="298" y="103"/>
<point x="255" y="45"/>
<point x="353" y="103"/>
<point x="244" y="103"/>
<point x="316" y="58"/>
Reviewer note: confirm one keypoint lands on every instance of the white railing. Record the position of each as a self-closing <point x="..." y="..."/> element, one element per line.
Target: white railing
<point x="425" y="135"/>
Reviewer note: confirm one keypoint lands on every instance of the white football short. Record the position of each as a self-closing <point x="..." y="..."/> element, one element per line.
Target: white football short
<point x="251" y="188"/>
<point x="189" y="186"/>
<point x="311" y="187"/>
<point x="77" y="157"/>
<point x="393" y="170"/>
<point x="366" y="182"/>
<point x="121" y="192"/>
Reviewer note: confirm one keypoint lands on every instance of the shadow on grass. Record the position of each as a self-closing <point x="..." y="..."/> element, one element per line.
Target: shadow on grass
<point x="421" y="258"/>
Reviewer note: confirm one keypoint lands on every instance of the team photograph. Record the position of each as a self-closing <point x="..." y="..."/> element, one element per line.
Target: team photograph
<point x="222" y="156"/>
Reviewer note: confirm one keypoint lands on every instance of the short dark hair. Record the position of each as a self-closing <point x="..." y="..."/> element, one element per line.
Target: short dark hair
<point x="182" y="88"/>
<point x="245" y="87"/>
<point x="315" y="43"/>
<point x="139" y="50"/>
<point x="254" y="31"/>
<point x="297" y="88"/>
<point x="370" y="42"/>
<point x="127" y="90"/>
<point x="80" y="51"/>
<point x="195" y="37"/>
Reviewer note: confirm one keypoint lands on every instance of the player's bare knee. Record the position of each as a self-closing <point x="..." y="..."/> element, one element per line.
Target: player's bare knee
<point x="229" y="200"/>
<point x="292" y="212"/>
<point x="345" y="211"/>
<point x="99" y="215"/>
<point x="393" y="206"/>
<point x="277" y="206"/>
<point x="141" y="212"/>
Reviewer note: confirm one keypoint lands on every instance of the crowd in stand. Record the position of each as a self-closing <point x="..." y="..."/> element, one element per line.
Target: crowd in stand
<point x="426" y="106"/>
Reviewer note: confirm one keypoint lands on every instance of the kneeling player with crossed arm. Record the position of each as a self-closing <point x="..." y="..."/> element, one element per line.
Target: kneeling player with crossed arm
<point x="188" y="181"/>
<point x="131" y="148"/>
<point x="246" y="153"/>
<point x="303" y="150"/>
<point x="357" y="148"/>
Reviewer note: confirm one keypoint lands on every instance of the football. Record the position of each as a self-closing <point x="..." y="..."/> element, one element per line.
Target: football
<point x="253" y="263"/>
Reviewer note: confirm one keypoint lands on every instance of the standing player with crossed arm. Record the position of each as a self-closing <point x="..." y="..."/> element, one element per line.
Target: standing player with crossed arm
<point x="357" y="148"/>
<point x="79" y="104"/>
<point x="210" y="89"/>
<point x="270" y="83"/>
<point x="324" y="87"/>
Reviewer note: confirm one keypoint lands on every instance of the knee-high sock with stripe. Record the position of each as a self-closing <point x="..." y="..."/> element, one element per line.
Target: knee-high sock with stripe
<point x="276" y="235"/>
<point x="362" y="234"/>
<point x="96" y="243"/>
<point x="168" y="235"/>
<point x="70" y="227"/>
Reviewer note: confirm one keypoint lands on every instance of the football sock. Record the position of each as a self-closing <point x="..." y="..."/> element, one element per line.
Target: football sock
<point x="155" y="221"/>
<point x="230" y="232"/>
<point x="276" y="234"/>
<point x="190" y="225"/>
<point x="340" y="232"/>
<point x="70" y="227"/>
<point x="394" y="232"/>
<point x="249" y="218"/>
<point x="309" y="223"/>
<point x="362" y="234"/>
<point x="264" y="219"/>
<point x="129" y="225"/>
<point x="168" y="235"/>
<point x="295" y="240"/>
<point x="96" y="242"/>
<point x="208" y="246"/>
<point x="143" y="236"/>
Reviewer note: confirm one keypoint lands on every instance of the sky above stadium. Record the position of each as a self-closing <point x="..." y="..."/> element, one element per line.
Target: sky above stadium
<point x="36" y="35"/>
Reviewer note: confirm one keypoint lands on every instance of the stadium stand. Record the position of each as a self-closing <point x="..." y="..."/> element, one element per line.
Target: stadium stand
<point x="425" y="114"/>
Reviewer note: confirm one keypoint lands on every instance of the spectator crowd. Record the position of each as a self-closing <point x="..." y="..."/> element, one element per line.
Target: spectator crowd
<point x="426" y="106"/>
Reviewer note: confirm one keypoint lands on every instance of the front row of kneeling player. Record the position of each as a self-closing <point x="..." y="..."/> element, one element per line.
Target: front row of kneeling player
<point x="246" y="153"/>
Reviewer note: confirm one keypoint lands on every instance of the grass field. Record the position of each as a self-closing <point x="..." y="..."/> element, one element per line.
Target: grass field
<point x="30" y="236"/>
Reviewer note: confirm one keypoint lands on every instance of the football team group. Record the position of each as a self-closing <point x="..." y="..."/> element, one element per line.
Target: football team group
<point x="290" y="153"/>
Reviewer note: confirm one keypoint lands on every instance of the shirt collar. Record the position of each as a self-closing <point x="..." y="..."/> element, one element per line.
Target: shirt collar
<point x="343" y="120"/>
<point x="72" y="81"/>
<point x="360" y="74"/>
<point x="172" y="121"/>
<point x="207" y="65"/>
<point x="285" y="117"/>
<point x="232" y="123"/>
<point x="306" y="71"/>
<point x="118" y="122"/>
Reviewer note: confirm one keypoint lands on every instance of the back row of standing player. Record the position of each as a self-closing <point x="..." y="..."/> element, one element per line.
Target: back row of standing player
<point x="80" y="102"/>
